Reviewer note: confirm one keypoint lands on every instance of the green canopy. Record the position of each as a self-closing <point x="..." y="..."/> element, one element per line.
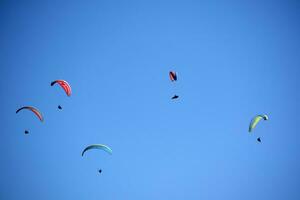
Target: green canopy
<point x="255" y="121"/>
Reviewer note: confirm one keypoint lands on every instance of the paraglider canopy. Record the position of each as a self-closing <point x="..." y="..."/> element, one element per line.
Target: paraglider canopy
<point x="255" y="121"/>
<point x="173" y="76"/>
<point x="97" y="146"/>
<point x="34" y="110"/>
<point x="65" y="86"/>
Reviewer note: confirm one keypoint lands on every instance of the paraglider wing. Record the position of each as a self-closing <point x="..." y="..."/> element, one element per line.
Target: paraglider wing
<point x="255" y="121"/>
<point x="65" y="86"/>
<point x="173" y="76"/>
<point x="97" y="146"/>
<point x="34" y="110"/>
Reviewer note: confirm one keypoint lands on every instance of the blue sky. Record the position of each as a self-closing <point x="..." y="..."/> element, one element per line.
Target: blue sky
<point x="234" y="59"/>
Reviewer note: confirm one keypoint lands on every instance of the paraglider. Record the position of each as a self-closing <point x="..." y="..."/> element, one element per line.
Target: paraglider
<point x="34" y="110"/>
<point x="97" y="146"/>
<point x="255" y="121"/>
<point x="175" y="97"/>
<point x="65" y="86"/>
<point x="26" y="132"/>
<point x="258" y="139"/>
<point x="173" y="76"/>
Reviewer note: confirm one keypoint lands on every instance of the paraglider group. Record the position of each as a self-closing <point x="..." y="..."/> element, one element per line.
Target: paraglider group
<point x="64" y="85"/>
<point x="68" y="91"/>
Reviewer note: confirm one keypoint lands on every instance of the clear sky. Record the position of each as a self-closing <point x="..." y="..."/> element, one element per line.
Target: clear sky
<point x="234" y="59"/>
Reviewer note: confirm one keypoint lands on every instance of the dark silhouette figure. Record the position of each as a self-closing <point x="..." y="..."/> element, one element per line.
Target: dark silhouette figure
<point x="59" y="107"/>
<point x="175" y="97"/>
<point x="26" y="132"/>
<point x="258" y="139"/>
<point x="100" y="170"/>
